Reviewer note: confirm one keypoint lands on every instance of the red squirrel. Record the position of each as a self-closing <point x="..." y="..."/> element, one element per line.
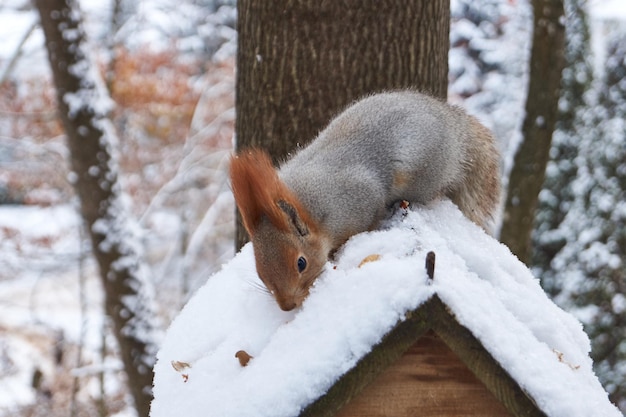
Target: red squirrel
<point x="382" y="149"/>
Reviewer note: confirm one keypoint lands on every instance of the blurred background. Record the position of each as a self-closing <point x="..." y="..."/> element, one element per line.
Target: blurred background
<point x="169" y="67"/>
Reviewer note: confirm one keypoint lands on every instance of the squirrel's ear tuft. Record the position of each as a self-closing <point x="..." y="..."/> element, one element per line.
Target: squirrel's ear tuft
<point x="257" y="189"/>
<point x="251" y="172"/>
<point x="260" y="193"/>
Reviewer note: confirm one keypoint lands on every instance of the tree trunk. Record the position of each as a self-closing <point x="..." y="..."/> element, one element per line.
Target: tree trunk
<point x="83" y="106"/>
<point x="299" y="62"/>
<point x="528" y="173"/>
<point x="557" y="195"/>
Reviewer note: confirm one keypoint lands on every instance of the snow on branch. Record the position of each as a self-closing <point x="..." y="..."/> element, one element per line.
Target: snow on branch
<point x="84" y="106"/>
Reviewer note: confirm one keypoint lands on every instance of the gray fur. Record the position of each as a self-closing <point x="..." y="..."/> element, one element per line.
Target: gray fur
<point x="385" y="148"/>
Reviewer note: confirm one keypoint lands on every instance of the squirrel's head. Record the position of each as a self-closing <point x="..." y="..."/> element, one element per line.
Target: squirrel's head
<point x="289" y="249"/>
<point x="288" y="261"/>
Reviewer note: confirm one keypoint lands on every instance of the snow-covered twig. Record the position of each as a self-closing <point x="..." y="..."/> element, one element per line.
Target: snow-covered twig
<point x="6" y="71"/>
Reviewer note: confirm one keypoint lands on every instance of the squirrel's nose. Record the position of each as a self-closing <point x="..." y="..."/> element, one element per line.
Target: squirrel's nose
<point x="287" y="305"/>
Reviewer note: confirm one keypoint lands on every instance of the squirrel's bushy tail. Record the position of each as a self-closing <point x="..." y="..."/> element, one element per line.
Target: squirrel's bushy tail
<point x="478" y="195"/>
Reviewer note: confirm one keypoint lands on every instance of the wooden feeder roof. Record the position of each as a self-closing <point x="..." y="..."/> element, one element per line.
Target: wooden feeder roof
<point x="233" y="353"/>
<point x="434" y="316"/>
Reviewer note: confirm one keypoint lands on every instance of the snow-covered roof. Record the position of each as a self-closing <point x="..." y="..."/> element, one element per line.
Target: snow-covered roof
<point x="298" y="356"/>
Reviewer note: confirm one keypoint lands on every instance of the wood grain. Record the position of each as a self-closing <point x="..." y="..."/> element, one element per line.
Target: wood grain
<point x="404" y="375"/>
<point x="428" y="380"/>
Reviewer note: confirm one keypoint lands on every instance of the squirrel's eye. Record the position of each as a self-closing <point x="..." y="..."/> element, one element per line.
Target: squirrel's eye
<point x="301" y="264"/>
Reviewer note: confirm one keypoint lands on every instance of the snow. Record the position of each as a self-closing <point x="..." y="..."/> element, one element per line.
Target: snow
<point x="40" y="229"/>
<point x="38" y="280"/>
<point x="607" y="17"/>
<point x="298" y="355"/>
<point x="608" y="9"/>
<point x="40" y="296"/>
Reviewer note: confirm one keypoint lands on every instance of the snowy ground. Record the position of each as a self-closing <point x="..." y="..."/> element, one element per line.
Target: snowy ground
<point x="41" y="281"/>
<point x="50" y="297"/>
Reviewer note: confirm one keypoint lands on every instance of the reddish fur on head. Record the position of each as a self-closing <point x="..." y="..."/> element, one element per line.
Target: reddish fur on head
<point x="257" y="190"/>
<point x="290" y="249"/>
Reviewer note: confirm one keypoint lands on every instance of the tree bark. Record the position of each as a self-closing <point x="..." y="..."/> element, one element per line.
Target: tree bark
<point x="528" y="173"/>
<point x="557" y="194"/>
<point x="83" y="106"/>
<point x="299" y="62"/>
